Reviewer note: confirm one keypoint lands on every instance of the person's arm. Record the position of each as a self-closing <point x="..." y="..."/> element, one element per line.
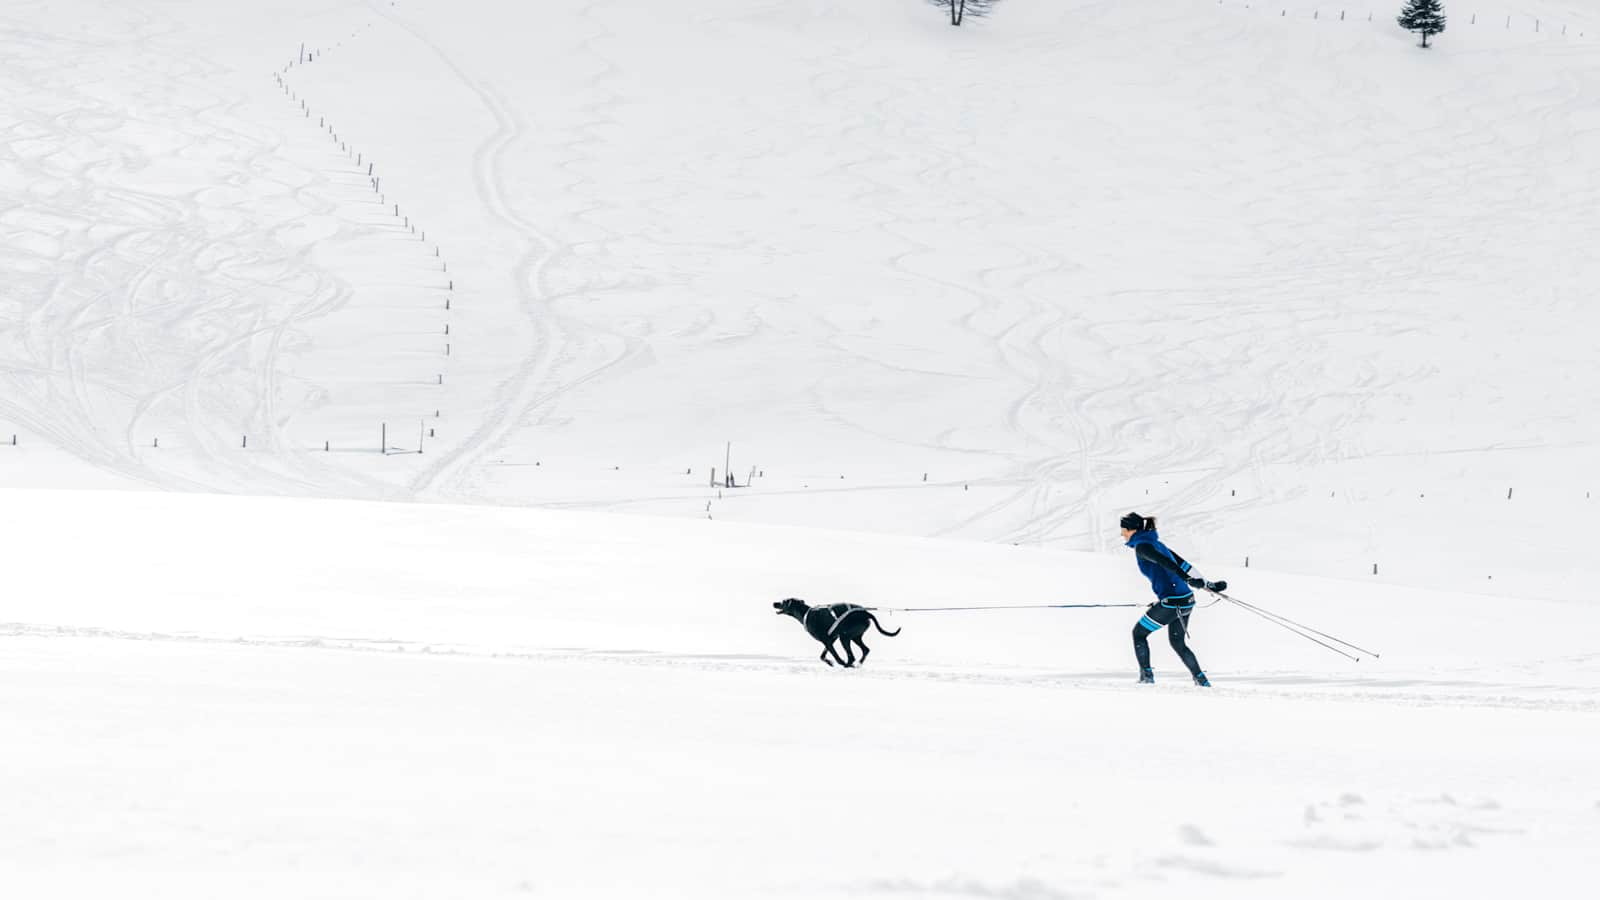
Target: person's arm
<point x="1178" y="566"/>
<point x="1174" y="563"/>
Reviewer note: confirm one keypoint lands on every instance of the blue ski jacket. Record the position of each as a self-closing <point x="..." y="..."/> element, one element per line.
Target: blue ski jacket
<point x="1166" y="570"/>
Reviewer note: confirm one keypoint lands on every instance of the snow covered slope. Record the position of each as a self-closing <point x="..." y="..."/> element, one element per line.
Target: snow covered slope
<point x="1322" y="296"/>
<point x="1320" y="299"/>
<point x="269" y="698"/>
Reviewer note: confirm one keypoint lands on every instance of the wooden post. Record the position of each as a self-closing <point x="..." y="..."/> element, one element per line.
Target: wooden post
<point x="324" y="446"/>
<point x="1247" y="562"/>
<point x="156" y="442"/>
<point x="713" y="481"/>
<point x="1508" y="492"/>
<point x="420" y="428"/>
<point x="383" y="440"/>
<point x="1374" y="568"/>
<point x="727" y="459"/>
<point x="244" y="441"/>
<point x="369" y="169"/>
<point x="302" y="52"/>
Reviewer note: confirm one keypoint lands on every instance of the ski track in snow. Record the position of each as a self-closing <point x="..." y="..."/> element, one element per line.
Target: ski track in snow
<point x="1460" y="691"/>
<point x="169" y="310"/>
<point x="1100" y="384"/>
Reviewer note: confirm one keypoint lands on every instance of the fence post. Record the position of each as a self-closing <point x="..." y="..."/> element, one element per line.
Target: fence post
<point x="383" y="439"/>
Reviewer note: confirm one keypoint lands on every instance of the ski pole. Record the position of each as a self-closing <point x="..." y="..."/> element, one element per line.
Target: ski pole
<point x="1293" y="630"/>
<point x="1308" y="628"/>
<point x="1303" y="627"/>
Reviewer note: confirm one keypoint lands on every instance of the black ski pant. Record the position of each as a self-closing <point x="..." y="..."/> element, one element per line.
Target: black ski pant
<point x="1176" y="620"/>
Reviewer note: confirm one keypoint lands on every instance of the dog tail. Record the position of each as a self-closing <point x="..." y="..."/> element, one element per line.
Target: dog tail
<point x="880" y="626"/>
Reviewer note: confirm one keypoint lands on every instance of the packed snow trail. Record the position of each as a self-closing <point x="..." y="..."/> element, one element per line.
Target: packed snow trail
<point x="383" y="700"/>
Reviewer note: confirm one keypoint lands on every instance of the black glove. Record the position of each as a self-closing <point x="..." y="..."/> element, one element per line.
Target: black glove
<point x="1196" y="582"/>
<point x="1216" y="587"/>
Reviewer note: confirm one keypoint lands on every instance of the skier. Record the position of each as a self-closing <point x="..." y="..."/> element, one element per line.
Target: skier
<point x="1172" y="579"/>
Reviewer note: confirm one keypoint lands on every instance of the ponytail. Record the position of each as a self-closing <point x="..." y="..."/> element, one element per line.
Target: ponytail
<point x="1135" y="522"/>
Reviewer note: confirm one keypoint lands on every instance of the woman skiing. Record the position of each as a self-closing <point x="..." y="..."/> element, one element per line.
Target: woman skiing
<point x="1172" y="579"/>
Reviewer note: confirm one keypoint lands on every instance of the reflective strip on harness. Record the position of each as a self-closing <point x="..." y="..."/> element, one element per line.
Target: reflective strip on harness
<point x="837" y="619"/>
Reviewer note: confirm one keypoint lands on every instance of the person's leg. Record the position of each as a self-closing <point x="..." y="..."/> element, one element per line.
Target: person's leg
<point x="1178" y="636"/>
<point x="1141" y="645"/>
<point x="1151" y="622"/>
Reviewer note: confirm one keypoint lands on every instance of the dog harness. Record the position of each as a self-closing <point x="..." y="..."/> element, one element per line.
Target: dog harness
<point x="837" y="619"/>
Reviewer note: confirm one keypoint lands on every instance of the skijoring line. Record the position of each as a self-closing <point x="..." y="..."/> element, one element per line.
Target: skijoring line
<point x="981" y="608"/>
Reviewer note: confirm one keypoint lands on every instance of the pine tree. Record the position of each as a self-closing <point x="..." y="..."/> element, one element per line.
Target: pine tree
<point x="960" y="9"/>
<point x="1423" y="16"/>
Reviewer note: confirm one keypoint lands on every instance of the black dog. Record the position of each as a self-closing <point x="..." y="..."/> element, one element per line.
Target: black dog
<point x="841" y="621"/>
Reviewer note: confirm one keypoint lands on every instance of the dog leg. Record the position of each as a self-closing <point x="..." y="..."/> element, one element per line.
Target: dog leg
<point x="829" y="648"/>
<point x="849" y="655"/>
<point x="864" y="649"/>
<point x="824" y="656"/>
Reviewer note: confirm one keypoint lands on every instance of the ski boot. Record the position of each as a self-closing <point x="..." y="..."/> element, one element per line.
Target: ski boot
<point x="1147" y="676"/>
<point x="1201" y="679"/>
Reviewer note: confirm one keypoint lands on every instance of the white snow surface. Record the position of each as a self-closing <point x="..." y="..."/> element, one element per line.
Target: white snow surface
<point x="309" y="698"/>
<point x="1321" y="300"/>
